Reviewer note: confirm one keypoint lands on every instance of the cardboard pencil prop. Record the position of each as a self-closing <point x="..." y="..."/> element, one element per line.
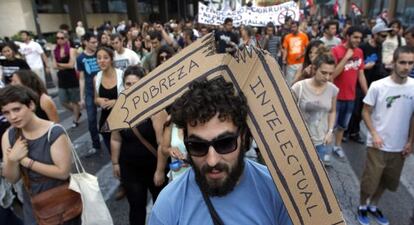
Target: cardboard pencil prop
<point x="274" y="121"/>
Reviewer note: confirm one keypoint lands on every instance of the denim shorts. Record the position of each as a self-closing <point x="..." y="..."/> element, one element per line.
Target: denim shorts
<point x="68" y="95"/>
<point x="344" y="111"/>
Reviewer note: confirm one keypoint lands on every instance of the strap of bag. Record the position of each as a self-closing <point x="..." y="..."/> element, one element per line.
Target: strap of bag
<point x="213" y="213"/>
<point x="144" y="141"/>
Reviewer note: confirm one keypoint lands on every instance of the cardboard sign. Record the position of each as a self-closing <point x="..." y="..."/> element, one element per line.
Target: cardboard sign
<point x="274" y="120"/>
<point x="254" y="16"/>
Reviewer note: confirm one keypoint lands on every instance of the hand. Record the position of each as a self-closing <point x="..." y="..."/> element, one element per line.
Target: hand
<point x="408" y="148"/>
<point x="159" y="27"/>
<point x="328" y="138"/>
<point x="116" y="170"/>
<point x="19" y="150"/>
<point x="175" y="153"/>
<point x="55" y="66"/>
<point x="159" y="178"/>
<point x="349" y="53"/>
<point x="377" y="141"/>
<point x="308" y="70"/>
<point x="47" y="70"/>
<point x="108" y="104"/>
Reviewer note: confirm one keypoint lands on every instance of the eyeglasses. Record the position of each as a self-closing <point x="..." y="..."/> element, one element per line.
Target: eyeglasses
<point x="222" y="145"/>
<point x="60" y="38"/>
<point x="384" y="35"/>
<point x="164" y="57"/>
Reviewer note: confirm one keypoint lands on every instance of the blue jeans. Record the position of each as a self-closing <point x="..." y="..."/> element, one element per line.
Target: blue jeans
<point x="91" y="110"/>
<point x="322" y="150"/>
<point x="344" y="111"/>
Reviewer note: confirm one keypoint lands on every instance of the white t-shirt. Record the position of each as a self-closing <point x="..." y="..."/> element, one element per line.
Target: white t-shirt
<point x="330" y="43"/>
<point x="32" y="52"/>
<point x="393" y="105"/>
<point x="388" y="48"/>
<point x="127" y="58"/>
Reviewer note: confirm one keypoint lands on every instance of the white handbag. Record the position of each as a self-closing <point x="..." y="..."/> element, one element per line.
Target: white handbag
<point x="94" y="211"/>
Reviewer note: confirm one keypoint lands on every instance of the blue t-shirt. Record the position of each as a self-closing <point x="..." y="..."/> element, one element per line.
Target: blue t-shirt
<point x="89" y="66"/>
<point x="255" y="200"/>
<point x="412" y="73"/>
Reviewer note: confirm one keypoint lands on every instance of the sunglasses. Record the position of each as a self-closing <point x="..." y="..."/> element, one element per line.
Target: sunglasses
<point x="222" y="145"/>
<point x="60" y="38"/>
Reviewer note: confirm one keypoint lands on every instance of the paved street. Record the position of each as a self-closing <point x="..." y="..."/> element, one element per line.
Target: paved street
<point x="344" y="178"/>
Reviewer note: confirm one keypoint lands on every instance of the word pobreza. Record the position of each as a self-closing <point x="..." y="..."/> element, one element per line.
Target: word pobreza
<point x="274" y="121"/>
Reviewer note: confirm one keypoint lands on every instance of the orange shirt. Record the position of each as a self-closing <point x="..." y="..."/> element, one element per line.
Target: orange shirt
<point x="295" y="46"/>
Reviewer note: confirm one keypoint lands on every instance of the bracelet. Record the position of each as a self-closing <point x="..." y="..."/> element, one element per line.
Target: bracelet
<point x="30" y="164"/>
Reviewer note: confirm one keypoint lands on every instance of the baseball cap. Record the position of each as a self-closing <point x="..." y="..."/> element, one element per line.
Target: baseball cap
<point x="380" y="28"/>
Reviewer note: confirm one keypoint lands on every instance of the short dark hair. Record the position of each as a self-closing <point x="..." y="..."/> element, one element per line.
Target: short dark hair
<point x="324" y="59"/>
<point x="354" y="29"/>
<point x="29" y="79"/>
<point x="155" y="35"/>
<point x="17" y="93"/>
<point x="207" y="98"/>
<point x="134" y="70"/>
<point x="410" y="31"/>
<point x="11" y="45"/>
<point x="401" y="50"/>
<point x="395" y="21"/>
<point x="228" y="20"/>
<point x="25" y="32"/>
<point x="330" y="23"/>
<point x="88" y="35"/>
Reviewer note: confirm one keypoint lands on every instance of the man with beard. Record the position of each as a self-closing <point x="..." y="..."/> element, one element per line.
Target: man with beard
<point x="388" y="115"/>
<point x="220" y="182"/>
<point x="349" y="71"/>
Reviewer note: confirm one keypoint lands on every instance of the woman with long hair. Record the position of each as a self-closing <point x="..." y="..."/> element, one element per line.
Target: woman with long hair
<point x="11" y="62"/>
<point x="46" y="109"/>
<point x="316" y="97"/>
<point x="64" y="61"/>
<point x="138" y="47"/>
<point x="33" y="149"/>
<point x="108" y="85"/>
<point x="133" y="162"/>
<point x="307" y="70"/>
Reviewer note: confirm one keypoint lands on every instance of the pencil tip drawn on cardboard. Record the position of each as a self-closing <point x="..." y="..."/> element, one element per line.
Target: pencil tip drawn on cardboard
<point x="274" y="121"/>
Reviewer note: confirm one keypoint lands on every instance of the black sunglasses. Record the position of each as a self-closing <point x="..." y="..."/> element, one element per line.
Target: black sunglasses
<point x="60" y="38"/>
<point x="222" y="145"/>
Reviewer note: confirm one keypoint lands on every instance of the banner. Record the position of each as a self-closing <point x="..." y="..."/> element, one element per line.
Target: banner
<point x="254" y="16"/>
<point x="273" y="119"/>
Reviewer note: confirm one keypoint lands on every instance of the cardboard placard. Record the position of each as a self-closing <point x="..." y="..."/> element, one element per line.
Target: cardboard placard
<point x="253" y="16"/>
<point x="274" y="120"/>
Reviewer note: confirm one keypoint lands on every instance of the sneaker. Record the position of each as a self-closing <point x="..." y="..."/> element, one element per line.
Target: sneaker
<point x="379" y="217"/>
<point x="326" y="160"/>
<point x="74" y="124"/>
<point x="339" y="152"/>
<point x="362" y="216"/>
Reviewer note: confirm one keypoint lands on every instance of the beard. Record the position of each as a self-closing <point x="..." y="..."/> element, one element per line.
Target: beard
<point x="222" y="187"/>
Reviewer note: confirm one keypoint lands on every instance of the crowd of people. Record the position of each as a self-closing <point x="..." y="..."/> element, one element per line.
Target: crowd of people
<point x="340" y="74"/>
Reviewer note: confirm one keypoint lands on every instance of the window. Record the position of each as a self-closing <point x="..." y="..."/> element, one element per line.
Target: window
<point x="105" y="6"/>
<point x="51" y="6"/>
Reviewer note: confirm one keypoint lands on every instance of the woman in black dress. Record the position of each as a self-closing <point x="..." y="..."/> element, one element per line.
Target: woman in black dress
<point x="133" y="162"/>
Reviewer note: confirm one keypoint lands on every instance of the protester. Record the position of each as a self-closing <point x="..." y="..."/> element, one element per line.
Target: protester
<point x="150" y="61"/>
<point x="392" y="42"/>
<point x="80" y="30"/>
<point x="45" y="109"/>
<point x="374" y="70"/>
<point x="124" y="57"/>
<point x="294" y="45"/>
<point x="271" y="42"/>
<point x="138" y="48"/>
<point x="216" y="136"/>
<point x="307" y="69"/>
<point x="88" y="67"/>
<point x="315" y="32"/>
<point x="11" y="62"/>
<point x="108" y="85"/>
<point x="329" y="36"/>
<point x="164" y="53"/>
<point x="409" y="37"/>
<point x="316" y="98"/>
<point x="227" y="40"/>
<point x="349" y="71"/>
<point x="133" y="162"/>
<point x="104" y="40"/>
<point x="44" y="160"/>
<point x="247" y="40"/>
<point x="64" y="61"/>
<point x="34" y="55"/>
<point x="388" y="115"/>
